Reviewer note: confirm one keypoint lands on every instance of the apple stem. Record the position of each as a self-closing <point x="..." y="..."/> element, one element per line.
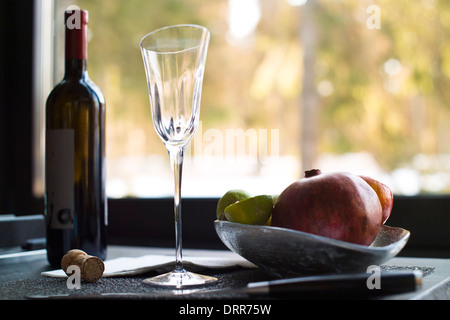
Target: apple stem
<point x="312" y="173"/>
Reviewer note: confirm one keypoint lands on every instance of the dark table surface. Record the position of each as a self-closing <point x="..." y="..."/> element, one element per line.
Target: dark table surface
<point x="20" y="278"/>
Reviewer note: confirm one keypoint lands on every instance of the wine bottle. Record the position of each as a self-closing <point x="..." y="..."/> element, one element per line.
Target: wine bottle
<point x="76" y="204"/>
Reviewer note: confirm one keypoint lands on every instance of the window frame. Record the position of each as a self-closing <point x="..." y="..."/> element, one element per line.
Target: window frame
<point x="147" y="221"/>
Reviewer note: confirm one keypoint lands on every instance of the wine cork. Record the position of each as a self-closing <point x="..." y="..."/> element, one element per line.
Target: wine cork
<point x="91" y="267"/>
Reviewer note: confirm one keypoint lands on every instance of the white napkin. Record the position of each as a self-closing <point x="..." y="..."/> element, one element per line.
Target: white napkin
<point x="161" y="263"/>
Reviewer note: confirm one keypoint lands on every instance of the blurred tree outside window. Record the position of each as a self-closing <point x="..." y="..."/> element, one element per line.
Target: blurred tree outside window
<point x="290" y="85"/>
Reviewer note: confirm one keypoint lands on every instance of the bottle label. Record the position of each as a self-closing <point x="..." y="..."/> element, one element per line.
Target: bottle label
<point x="60" y="150"/>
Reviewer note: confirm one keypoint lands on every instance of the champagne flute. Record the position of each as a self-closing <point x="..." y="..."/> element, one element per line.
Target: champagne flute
<point x="174" y="59"/>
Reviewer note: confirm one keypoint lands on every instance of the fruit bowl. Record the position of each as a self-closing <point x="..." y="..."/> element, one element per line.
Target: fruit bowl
<point x="285" y="252"/>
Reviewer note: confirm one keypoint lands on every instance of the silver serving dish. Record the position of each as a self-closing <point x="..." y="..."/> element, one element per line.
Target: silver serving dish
<point x="286" y="252"/>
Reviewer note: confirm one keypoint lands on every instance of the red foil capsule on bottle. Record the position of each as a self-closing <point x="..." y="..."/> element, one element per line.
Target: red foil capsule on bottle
<point x="76" y="22"/>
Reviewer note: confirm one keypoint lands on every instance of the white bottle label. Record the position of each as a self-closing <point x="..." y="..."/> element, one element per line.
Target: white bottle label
<point x="60" y="150"/>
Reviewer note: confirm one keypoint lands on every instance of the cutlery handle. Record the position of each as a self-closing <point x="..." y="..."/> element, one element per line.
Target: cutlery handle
<point x="340" y="286"/>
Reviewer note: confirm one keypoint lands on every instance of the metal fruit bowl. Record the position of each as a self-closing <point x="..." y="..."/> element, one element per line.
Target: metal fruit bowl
<point x="284" y="252"/>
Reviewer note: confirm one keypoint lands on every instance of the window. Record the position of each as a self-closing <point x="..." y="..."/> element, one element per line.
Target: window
<point x="341" y="85"/>
<point x="345" y="85"/>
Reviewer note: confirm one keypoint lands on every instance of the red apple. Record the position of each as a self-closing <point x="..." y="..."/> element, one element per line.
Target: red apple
<point x="340" y="206"/>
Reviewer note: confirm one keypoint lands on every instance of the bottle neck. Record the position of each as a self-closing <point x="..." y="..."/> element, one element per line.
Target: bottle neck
<point x="75" y="69"/>
<point x="76" y="43"/>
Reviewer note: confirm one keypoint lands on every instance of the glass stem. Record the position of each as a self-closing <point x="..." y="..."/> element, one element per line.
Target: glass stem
<point x="176" y="155"/>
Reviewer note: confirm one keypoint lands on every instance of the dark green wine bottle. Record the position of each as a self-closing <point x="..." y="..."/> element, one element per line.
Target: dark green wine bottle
<point x="76" y="204"/>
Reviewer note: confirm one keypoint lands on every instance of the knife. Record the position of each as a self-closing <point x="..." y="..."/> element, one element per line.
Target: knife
<point x="360" y="285"/>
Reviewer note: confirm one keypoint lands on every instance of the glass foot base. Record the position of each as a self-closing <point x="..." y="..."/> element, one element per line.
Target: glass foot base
<point x="180" y="279"/>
